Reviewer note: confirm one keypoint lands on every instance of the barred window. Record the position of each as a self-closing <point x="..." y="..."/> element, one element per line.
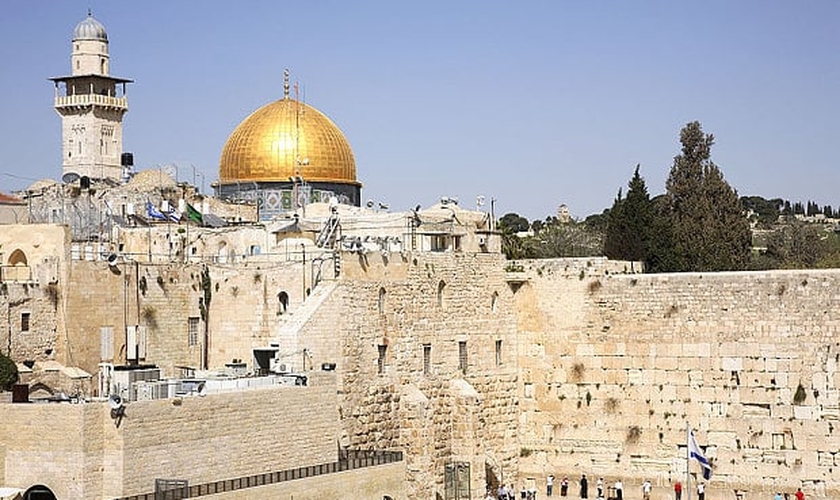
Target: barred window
<point x="380" y="363"/>
<point x="24" y="321"/>
<point x="427" y="359"/>
<point x="192" y="332"/>
<point x="498" y="353"/>
<point x="462" y="356"/>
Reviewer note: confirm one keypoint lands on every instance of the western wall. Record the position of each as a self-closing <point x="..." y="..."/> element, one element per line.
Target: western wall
<point x="614" y="366"/>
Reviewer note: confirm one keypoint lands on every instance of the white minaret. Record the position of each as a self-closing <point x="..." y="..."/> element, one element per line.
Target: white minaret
<point x="91" y="104"/>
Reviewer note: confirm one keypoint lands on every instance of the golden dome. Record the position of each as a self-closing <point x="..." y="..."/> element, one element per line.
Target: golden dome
<point x="283" y="139"/>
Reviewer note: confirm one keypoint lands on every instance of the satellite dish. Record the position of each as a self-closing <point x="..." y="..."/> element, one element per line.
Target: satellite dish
<point x="69" y="177"/>
<point x="115" y="401"/>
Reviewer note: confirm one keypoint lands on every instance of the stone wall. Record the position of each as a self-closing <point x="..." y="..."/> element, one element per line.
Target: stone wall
<point x="401" y="306"/>
<point x="80" y="453"/>
<point x="613" y="367"/>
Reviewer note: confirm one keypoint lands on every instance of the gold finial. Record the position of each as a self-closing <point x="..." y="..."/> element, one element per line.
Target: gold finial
<point x="286" y="83"/>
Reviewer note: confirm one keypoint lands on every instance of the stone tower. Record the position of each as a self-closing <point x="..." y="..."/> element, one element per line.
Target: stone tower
<point x="91" y="104"/>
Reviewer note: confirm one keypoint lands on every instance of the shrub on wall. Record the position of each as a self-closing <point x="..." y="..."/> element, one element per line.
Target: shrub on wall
<point x="8" y="373"/>
<point x="799" y="395"/>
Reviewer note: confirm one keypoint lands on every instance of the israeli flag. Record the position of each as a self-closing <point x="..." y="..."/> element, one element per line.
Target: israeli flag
<point x="174" y="215"/>
<point x="153" y="212"/>
<point x="695" y="453"/>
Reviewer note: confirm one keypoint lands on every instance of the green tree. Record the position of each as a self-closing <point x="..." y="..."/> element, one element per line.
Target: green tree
<point x="8" y="373"/>
<point x="709" y="229"/>
<point x="557" y="239"/>
<point x="628" y="228"/>
<point x="509" y="225"/>
<point x="795" y="246"/>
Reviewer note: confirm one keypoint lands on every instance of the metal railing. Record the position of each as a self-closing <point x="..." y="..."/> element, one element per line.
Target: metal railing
<point x="347" y="460"/>
<point x="89" y="99"/>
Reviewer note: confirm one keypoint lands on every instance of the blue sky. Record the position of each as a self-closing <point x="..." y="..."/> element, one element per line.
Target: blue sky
<point x="531" y="103"/>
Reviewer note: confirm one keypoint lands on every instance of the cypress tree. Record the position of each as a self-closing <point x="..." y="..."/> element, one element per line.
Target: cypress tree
<point x="707" y="222"/>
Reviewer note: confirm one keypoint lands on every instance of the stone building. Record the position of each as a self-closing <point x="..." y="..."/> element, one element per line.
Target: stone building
<point x="434" y="368"/>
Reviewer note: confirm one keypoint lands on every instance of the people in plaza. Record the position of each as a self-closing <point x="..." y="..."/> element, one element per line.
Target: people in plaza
<point x="778" y="496"/>
<point x="646" y="490"/>
<point x="799" y="495"/>
<point x="584" y="486"/>
<point x="549" y="485"/>
<point x="599" y="487"/>
<point x="701" y="491"/>
<point x="501" y="493"/>
<point x="678" y="490"/>
<point x="619" y="490"/>
<point x="564" y="486"/>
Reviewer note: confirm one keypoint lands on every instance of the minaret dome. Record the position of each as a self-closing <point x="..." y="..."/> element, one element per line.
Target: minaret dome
<point x="90" y="48"/>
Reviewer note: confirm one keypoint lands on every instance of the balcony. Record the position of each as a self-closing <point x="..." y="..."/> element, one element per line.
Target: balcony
<point x="91" y="100"/>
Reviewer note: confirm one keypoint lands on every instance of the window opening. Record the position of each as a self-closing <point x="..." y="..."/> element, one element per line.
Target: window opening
<point x="380" y="363"/>
<point x="381" y="300"/>
<point x="192" y="331"/>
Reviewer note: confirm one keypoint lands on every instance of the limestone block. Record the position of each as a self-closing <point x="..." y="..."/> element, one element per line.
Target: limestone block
<point x="731" y="364"/>
<point x="803" y="412"/>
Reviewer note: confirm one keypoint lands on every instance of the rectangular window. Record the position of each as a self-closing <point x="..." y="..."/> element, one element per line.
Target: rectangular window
<point x="24" y="321"/>
<point x="498" y="353"/>
<point x="462" y="356"/>
<point x="192" y="331"/>
<point x="427" y="359"/>
<point x="106" y="343"/>
<point x="380" y="363"/>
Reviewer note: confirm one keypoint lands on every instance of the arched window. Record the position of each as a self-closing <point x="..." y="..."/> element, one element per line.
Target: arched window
<point x="494" y="302"/>
<point x="382" y="294"/>
<point x="17" y="258"/>
<point x="283" y="297"/>
<point x="440" y="289"/>
<point x="222" y="253"/>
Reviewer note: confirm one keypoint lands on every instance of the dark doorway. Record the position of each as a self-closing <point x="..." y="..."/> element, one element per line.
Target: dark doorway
<point x="39" y="492"/>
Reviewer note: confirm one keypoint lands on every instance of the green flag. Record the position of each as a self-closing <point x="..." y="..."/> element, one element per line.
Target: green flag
<point x="193" y="214"/>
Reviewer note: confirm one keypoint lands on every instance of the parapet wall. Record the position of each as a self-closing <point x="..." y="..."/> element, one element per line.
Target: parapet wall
<point x="613" y="367"/>
<point x="81" y="452"/>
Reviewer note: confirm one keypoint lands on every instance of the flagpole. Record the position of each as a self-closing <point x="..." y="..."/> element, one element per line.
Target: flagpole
<point x="687" y="461"/>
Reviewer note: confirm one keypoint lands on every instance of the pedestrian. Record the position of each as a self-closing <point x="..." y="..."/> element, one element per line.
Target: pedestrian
<point x="502" y="492"/>
<point x="549" y="485"/>
<point x="564" y="486"/>
<point x="584" y="487"/>
<point x="646" y="490"/>
<point x="701" y="491"/>
<point x="619" y="490"/>
<point x="799" y="495"/>
<point x="599" y="487"/>
<point x="678" y="490"/>
<point x="778" y="496"/>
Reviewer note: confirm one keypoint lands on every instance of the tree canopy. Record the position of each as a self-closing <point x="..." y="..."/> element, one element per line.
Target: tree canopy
<point x="8" y="373"/>
<point x="708" y="226"/>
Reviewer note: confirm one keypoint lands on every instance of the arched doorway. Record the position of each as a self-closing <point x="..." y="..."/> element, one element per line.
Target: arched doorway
<point x="39" y="492"/>
<point x="17" y="258"/>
